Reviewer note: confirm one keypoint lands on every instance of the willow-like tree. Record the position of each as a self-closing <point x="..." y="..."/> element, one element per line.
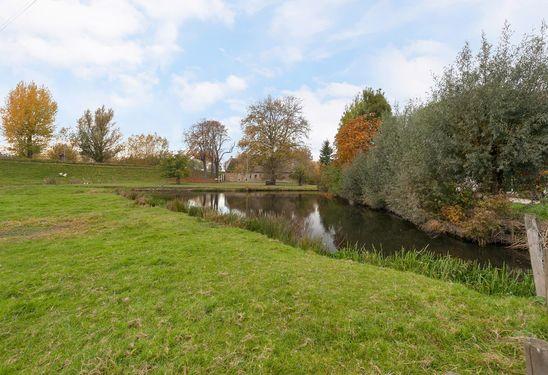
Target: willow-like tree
<point x="272" y="131"/>
<point x="492" y="109"/>
<point x="28" y="118"/>
<point x="97" y="136"/>
<point x="147" y="148"/>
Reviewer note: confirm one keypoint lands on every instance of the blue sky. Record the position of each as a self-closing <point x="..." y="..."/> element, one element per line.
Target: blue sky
<point x="162" y="65"/>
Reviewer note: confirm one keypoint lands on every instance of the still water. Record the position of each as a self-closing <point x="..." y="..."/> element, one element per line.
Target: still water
<point x="339" y="224"/>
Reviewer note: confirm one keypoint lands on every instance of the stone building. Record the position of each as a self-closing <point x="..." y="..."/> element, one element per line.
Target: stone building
<point x="254" y="174"/>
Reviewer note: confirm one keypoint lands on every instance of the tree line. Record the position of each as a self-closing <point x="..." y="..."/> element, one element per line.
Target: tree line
<point x="28" y="124"/>
<point x="444" y="163"/>
<point x="274" y="134"/>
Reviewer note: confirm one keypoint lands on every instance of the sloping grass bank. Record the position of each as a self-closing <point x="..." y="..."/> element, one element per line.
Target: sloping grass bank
<point x="92" y="283"/>
<point x="20" y="172"/>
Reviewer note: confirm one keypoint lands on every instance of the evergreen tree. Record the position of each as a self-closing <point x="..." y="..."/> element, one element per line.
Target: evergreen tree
<point x="326" y="153"/>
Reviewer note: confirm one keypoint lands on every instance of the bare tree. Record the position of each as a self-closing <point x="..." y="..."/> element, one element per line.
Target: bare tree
<point x="96" y="135"/>
<point x="218" y="145"/>
<point x="273" y="130"/>
<point x="197" y="140"/>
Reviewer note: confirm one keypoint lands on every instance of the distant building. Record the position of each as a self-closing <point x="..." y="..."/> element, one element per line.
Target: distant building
<point x="238" y="170"/>
<point x="255" y="174"/>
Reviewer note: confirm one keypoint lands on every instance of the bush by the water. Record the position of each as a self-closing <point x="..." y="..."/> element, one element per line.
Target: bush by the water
<point x="483" y="131"/>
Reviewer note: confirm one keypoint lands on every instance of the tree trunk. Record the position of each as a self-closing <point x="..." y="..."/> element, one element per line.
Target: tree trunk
<point x="217" y="166"/>
<point x="204" y="164"/>
<point x="178" y="180"/>
<point x="29" y="146"/>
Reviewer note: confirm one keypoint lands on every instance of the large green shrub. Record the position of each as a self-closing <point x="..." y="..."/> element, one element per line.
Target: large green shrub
<point x="493" y="110"/>
<point x="485" y="128"/>
<point x="330" y="178"/>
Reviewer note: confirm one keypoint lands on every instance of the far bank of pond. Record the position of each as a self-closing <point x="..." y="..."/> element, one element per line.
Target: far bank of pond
<point x="339" y="224"/>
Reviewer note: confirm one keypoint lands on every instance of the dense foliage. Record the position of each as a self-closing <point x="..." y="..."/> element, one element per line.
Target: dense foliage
<point x="493" y="109"/>
<point x="368" y="103"/>
<point x="484" y="130"/>
<point x="356" y="136"/>
<point x="177" y="166"/>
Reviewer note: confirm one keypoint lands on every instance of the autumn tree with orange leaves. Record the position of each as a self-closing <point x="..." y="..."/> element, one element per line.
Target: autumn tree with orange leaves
<point x="28" y="118"/>
<point x="359" y="124"/>
<point x="356" y="136"/>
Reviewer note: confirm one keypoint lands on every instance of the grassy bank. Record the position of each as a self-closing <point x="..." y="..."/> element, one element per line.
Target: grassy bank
<point x="17" y="172"/>
<point x="483" y="278"/>
<point x="90" y="282"/>
<point x="540" y="210"/>
<point x="20" y="172"/>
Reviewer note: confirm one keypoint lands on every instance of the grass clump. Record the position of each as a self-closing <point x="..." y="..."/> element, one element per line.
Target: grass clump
<point x="540" y="209"/>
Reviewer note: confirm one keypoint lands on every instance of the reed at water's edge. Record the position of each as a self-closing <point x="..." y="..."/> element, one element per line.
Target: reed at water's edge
<point x="483" y="278"/>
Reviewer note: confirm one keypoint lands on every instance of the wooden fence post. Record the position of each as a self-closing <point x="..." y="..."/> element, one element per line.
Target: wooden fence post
<point x="536" y="357"/>
<point x="539" y="258"/>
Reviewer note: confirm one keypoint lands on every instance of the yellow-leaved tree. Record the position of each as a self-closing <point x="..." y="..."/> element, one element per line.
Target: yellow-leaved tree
<point x="28" y="118"/>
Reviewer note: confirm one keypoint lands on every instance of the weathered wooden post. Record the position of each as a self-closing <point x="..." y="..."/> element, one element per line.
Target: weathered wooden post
<point x="536" y="357"/>
<point x="539" y="257"/>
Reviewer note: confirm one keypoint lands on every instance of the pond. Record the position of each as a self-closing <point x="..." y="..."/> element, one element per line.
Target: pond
<point x="340" y="224"/>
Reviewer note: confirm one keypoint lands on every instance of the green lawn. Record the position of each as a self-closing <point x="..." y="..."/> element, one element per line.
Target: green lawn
<point x="540" y="209"/>
<point x="91" y="283"/>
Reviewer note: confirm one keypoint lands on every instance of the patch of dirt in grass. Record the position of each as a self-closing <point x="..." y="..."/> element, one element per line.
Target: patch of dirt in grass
<point x="38" y="228"/>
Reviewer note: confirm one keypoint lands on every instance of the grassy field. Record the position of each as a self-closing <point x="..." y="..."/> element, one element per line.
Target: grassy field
<point x="91" y="283"/>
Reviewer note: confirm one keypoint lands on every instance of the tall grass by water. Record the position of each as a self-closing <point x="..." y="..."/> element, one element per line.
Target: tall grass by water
<point x="483" y="278"/>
